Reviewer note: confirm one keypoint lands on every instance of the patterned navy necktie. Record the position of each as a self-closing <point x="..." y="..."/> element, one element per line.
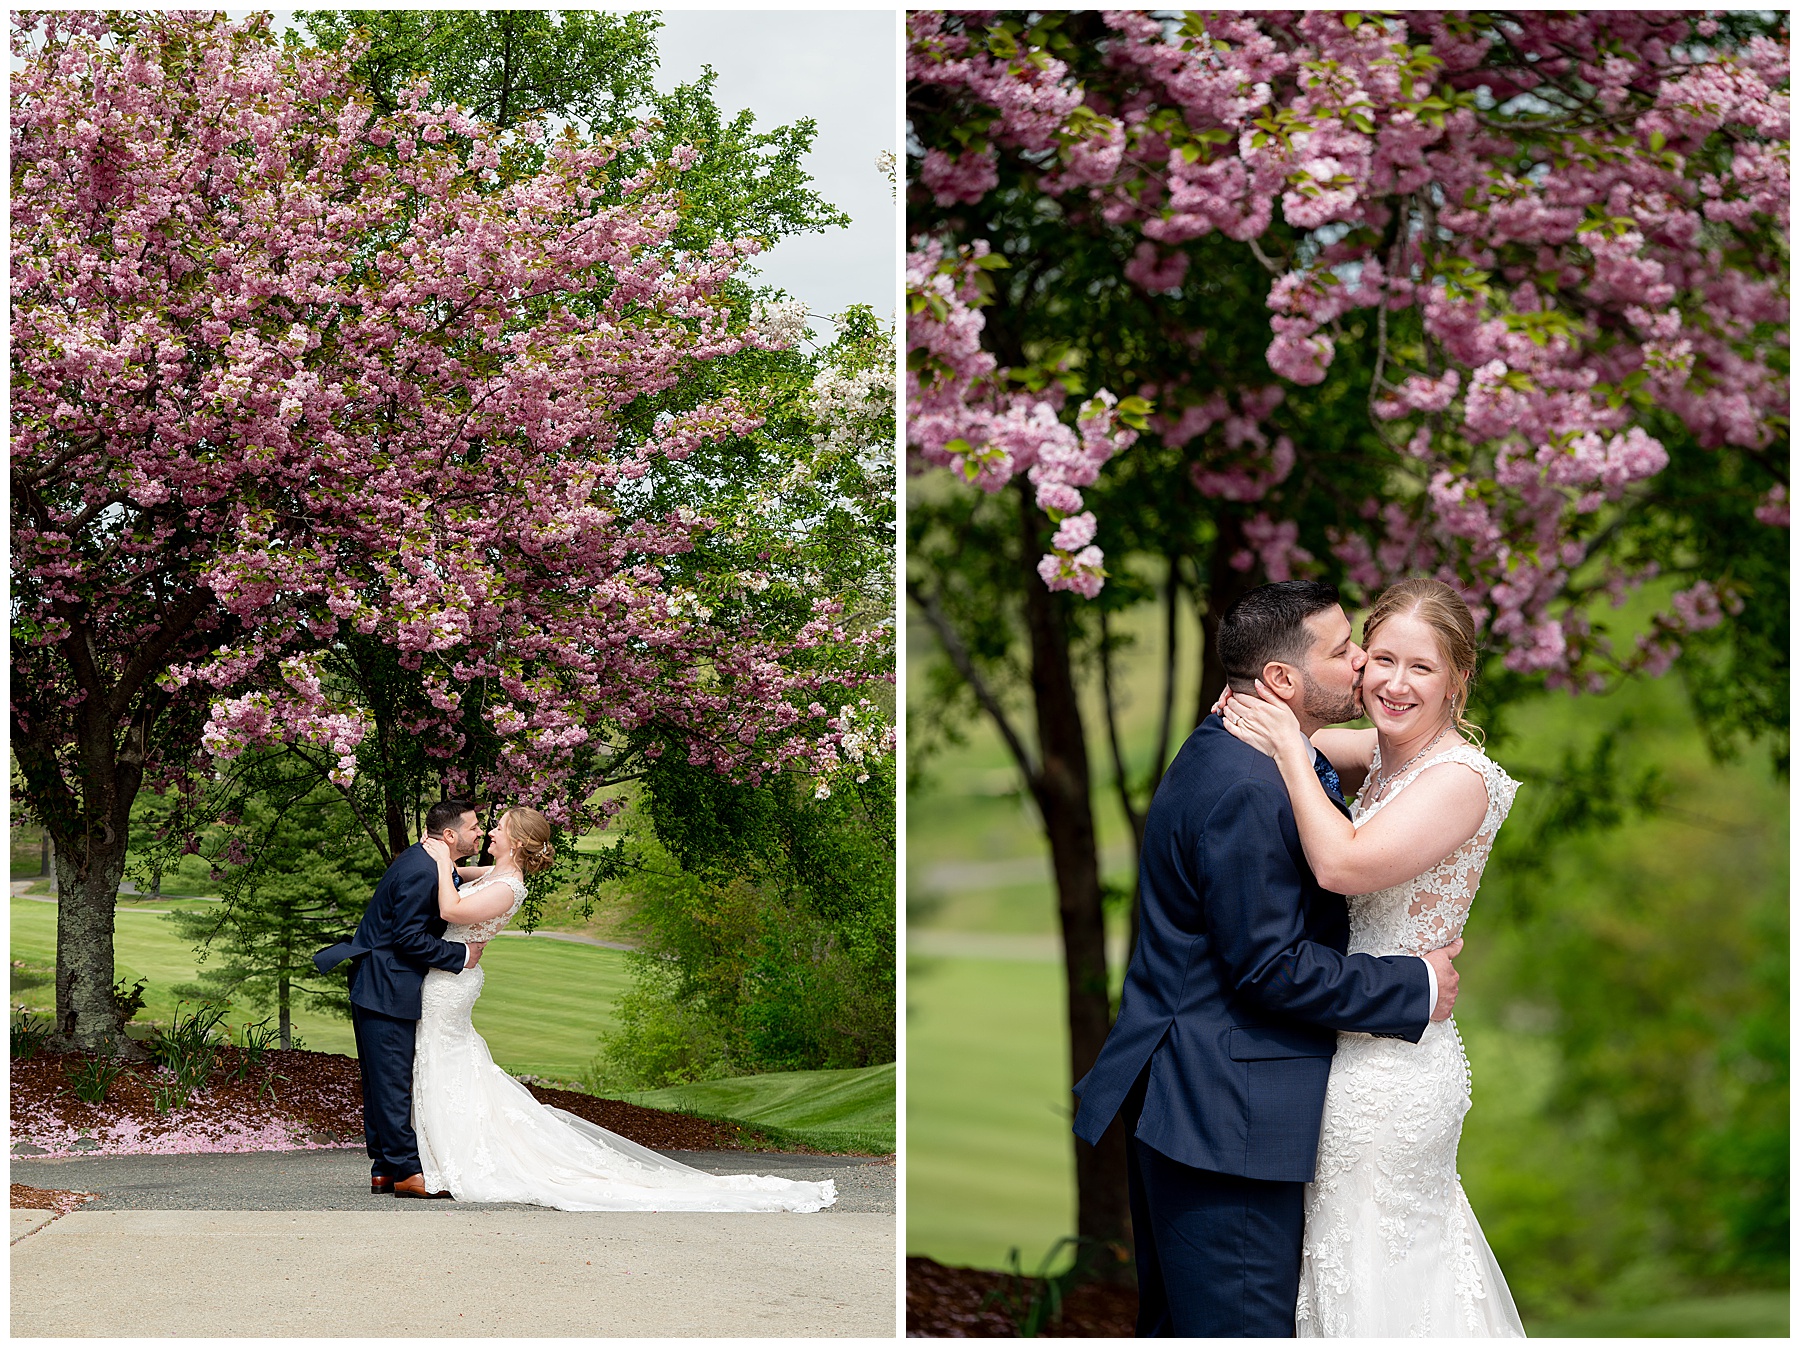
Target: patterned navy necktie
<point x="1328" y="777"/>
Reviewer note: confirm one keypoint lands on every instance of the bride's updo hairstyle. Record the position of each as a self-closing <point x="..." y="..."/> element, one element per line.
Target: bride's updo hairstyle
<point x="530" y="833"/>
<point x="1442" y="610"/>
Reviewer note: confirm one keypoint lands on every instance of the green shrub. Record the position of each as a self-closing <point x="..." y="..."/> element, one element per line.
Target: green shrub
<point x="28" y="1035"/>
<point x="93" y="1078"/>
<point x="767" y="925"/>
<point x="129" y="1000"/>
<point x="189" y="1046"/>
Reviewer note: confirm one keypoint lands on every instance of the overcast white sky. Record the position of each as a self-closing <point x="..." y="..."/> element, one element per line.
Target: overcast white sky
<point x="837" y="67"/>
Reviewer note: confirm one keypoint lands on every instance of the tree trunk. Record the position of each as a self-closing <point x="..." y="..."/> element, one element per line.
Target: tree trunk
<point x="1063" y="791"/>
<point x="90" y="832"/>
<point x="398" y="841"/>
<point x="283" y="1018"/>
<point x="81" y="788"/>
<point x="87" y="1018"/>
<point x="44" y="853"/>
<point x="1225" y="586"/>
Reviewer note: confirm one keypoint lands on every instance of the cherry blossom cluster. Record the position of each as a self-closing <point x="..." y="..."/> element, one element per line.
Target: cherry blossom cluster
<point x="1578" y="217"/>
<point x="855" y="413"/>
<point x="962" y="415"/>
<point x="861" y="734"/>
<point x="302" y="371"/>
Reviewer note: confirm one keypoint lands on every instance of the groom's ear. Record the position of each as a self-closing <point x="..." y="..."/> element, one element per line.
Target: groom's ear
<point x="1283" y="680"/>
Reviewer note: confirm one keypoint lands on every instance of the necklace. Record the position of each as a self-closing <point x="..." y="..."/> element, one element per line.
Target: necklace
<point x="1386" y="779"/>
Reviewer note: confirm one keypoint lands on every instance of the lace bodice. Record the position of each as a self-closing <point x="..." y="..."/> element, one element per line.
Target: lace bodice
<point x="1428" y="910"/>
<point x="488" y="928"/>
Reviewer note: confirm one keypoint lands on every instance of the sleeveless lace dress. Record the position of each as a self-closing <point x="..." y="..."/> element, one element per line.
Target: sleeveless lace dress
<point x="487" y="1139"/>
<point x="1392" y="1249"/>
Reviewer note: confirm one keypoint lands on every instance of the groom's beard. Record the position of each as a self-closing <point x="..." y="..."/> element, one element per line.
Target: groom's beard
<point x="1325" y="707"/>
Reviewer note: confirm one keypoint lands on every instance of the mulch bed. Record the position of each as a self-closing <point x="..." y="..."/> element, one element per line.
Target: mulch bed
<point x="59" y="1201"/>
<point x="979" y="1303"/>
<point x="296" y="1099"/>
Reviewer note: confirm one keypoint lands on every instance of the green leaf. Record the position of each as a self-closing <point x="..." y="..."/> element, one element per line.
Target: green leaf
<point x="1134" y="412"/>
<point x="1353" y="20"/>
<point x="1657" y="141"/>
<point x="993" y="262"/>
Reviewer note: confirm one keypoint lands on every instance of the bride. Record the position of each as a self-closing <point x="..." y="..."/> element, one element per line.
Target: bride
<point x="1392" y="1248"/>
<point x="484" y="1138"/>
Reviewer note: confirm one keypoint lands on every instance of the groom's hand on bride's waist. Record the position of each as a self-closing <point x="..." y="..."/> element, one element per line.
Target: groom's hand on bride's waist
<point x="476" y="947"/>
<point x="1439" y="960"/>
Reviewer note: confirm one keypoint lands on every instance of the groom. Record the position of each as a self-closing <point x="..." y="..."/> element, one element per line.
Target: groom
<point x="399" y="938"/>
<point x="1239" y="983"/>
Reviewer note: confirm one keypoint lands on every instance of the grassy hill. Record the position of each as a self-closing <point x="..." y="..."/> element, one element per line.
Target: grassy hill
<point x="846" y="1110"/>
<point x="545" y="1004"/>
<point x="1748" y="1315"/>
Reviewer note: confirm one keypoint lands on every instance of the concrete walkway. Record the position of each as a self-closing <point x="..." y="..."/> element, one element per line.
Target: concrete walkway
<point x="291" y="1244"/>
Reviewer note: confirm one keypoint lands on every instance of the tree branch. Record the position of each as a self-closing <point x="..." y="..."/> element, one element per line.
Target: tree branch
<point x="1120" y="782"/>
<point x="173" y="628"/>
<point x="83" y="445"/>
<point x="1165" y="722"/>
<point x="350" y="800"/>
<point x="965" y="665"/>
<point x="1274" y="267"/>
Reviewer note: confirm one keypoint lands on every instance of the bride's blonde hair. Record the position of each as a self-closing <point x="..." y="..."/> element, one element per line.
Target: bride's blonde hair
<point x="1442" y="610"/>
<point x="530" y="833"/>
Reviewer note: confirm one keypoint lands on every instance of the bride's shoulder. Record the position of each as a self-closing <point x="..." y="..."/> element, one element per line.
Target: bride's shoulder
<point x="1475" y="756"/>
<point x="1499" y="786"/>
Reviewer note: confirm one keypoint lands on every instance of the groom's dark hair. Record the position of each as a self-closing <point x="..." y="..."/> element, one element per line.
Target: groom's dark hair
<point x="1268" y="624"/>
<point x="447" y="814"/>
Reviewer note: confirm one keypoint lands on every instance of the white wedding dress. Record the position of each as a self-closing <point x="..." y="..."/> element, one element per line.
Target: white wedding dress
<point x="1392" y="1249"/>
<point x="487" y="1139"/>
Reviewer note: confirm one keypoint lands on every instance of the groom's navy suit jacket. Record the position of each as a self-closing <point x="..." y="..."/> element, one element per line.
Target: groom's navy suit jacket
<point x="399" y="938"/>
<point x="1239" y="982"/>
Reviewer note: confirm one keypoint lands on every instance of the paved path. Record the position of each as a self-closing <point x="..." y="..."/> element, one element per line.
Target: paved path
<point x="337" y="1180"/>
<point x="291" y="1244"/>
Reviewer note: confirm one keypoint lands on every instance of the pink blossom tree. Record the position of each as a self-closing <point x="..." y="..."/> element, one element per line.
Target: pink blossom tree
<point x="1495" y="296"/>
<point x="311" y="403"/>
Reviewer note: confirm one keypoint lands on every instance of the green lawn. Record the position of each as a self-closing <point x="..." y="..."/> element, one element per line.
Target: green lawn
<point x="847" y="1110"/>
<point x="1749" y="1315"/>
<point x="989" y="1158"/>
<point x="545" y="1004"/>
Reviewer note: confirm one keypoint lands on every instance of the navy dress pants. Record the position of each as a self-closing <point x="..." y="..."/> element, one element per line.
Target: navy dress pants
<point x="384" y="1052"/>
<point x="1218" y="1256"/>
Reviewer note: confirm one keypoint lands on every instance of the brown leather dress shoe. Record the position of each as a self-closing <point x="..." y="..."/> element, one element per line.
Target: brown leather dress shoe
<point x="413" y="1186"/>
<point x="381" y="1184"/>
